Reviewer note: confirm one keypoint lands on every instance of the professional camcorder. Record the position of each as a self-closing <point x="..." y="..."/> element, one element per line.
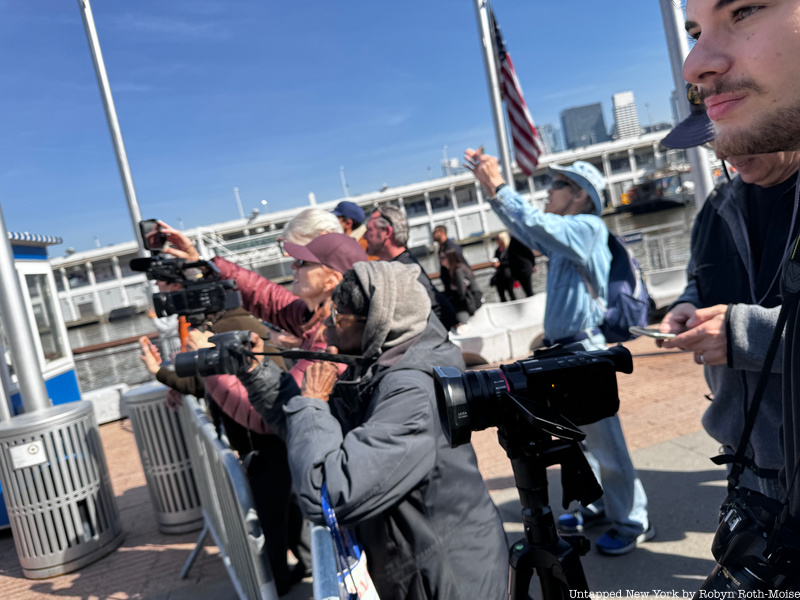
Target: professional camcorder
<point x="553" y="389"/>
<point x="202" y="292"/>
<point x="230" y="355"/>
<point x="536" y="405"/>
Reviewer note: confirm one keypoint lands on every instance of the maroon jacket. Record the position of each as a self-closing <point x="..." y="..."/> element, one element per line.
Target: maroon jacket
<point x="277" y="305"/>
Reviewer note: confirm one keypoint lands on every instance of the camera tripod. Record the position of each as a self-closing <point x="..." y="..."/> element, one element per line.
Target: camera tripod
<point x="531" y="448"/>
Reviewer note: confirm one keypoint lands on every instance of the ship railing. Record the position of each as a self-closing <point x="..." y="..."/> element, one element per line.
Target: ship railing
<point x="657" y="247"/>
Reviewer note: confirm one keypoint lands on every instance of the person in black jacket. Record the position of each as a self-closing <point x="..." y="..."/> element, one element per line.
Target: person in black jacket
<point x="502" y="279"/>
<point x="440" y="237"/>
<point x="420" y="508"/>
<point x="523" y="264"/>
<point x="464" y="293"/>
<point x="387" y="236"/>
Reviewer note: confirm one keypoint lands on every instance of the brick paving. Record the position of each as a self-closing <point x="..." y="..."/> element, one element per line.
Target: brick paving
<point x="661" y="400"/>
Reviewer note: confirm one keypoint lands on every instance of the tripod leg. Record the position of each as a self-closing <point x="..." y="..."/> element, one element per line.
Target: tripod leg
<point x="520" y="571"/>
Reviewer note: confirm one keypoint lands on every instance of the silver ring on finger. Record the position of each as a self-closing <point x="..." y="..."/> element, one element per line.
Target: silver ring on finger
<point x="703" y="359"/>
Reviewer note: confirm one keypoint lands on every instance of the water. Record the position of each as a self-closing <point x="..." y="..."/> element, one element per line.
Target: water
<point x="115" y="365"/>
<point x="122" y="364"/>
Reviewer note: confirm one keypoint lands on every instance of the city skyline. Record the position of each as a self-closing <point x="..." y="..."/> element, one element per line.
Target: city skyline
<point x="275" y="101"/>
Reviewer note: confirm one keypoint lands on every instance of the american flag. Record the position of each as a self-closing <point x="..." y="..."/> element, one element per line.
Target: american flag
<point x="527" y="145"/>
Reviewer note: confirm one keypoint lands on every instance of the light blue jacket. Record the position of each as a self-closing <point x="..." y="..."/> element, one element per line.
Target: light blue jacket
<point x="573" y="244"/>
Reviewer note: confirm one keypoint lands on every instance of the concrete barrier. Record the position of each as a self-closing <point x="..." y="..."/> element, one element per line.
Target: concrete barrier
<point x="501" y="331"/>
<point x="482" y="342"/>
<point x="522" y="320"/>
<point x="666" y="285"/>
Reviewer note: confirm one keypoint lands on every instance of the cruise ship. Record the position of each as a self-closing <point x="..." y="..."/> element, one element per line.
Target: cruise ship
<point x="93" y="283"/>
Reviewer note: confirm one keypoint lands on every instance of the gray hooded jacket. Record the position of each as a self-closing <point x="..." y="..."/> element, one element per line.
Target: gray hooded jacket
<point x="721" y="271"/>
<point x="419" y="508"/>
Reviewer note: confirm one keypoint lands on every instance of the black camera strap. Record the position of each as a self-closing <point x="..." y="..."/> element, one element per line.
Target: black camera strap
<point x="346" y="359"/>
<point x="790" y="284"/>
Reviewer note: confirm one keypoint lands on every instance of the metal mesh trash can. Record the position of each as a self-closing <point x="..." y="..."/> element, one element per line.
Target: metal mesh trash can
<point x="165" y="459"/>
<point x="61" y="507"/>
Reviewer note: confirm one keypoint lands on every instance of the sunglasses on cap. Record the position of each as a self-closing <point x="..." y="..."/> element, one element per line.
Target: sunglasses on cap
<point x="336" y="315"/>
<point x="385" y="218"/>
<point x="559" y="184"/>
<point x="300" y="263"/>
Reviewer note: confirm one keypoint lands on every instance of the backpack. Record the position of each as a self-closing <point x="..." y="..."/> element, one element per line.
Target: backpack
<point x="629" y="303"/>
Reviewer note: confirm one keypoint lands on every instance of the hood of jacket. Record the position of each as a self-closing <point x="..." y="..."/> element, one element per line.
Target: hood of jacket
<point x="398" y="305"/>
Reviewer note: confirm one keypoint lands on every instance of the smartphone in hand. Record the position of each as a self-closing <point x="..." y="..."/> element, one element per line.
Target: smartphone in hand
<point x="652" y="332"/>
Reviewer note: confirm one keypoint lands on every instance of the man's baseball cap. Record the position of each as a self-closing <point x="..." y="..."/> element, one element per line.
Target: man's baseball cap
<point x="334" y="250"/>
<point x="587" y="177"/>
<point x="349" y="210"/>
<point x="694" y="130"/>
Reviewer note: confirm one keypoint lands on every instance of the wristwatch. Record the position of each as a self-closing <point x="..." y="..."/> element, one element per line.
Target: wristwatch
<point x="499" y="187"/>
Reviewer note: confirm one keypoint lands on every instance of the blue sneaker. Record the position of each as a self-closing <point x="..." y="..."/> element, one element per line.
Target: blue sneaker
<point x="614" y="543"/>
<point x="578" y="522"/>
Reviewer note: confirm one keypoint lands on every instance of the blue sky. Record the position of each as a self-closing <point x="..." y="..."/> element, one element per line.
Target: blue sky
<point x="274" y="97"/>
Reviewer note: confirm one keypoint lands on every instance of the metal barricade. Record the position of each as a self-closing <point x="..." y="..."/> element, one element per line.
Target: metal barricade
<point x="58" y="493"/>
<point x="228" y="508"/>
<point x="323" y="564"/>
<point x="165" y="459"/>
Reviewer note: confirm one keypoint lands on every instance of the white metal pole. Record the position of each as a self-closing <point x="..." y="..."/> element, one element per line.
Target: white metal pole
<point x="345" y="187"/>
<point x="493" y="83"/>
<point x="678" y="47"/>
<point x="238" y="202"/>
<point x="113" y="123"/>
<point x="19" y="331"/>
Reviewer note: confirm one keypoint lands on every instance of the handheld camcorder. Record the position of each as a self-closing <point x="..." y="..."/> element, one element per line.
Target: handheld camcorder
<point x="754" y="553"/>
<point x="553" y="390"/>
<point x="199" y="297"/>
<point x="230" y="355"/>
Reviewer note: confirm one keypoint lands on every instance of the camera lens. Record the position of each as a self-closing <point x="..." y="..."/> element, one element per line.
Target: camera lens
<point x="203" y="362"/>
<point x="466" y="401"/>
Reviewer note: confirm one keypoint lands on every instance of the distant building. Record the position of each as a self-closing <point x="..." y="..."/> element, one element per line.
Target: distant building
<point x="626" y="119"/>
<point x="551" y="138"/>
<point x="657" y="127"/>
<point x="584" y="126"/>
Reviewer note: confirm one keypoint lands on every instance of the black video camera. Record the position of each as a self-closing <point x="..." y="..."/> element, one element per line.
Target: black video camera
<point x="230" y="355"/>
<point x="754" y="555"/>
<point x="199" y="297"/>
<point x="554" y="390"/>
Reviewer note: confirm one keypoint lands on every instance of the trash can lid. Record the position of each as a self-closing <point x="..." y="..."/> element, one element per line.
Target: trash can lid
<point x="147" y="392"/>
<point x="47" y="418"/>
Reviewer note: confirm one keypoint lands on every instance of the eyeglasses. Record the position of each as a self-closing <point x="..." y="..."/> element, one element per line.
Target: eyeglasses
<point x="336" y="315"/>
<point x="300" y="263"/>
<point x="559" y="184"/>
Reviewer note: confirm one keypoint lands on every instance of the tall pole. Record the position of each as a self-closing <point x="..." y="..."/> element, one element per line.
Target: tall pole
<point x="493" y="83"/>
<point x="238" y="202"/>
<point x="678" y="47"/>
<point x="113" y="124"/>
<point x="345" y="187"/>
<point x="19" y="331"/>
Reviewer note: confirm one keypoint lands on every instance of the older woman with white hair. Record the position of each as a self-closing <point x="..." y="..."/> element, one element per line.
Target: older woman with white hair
<point x="310" y="224"/>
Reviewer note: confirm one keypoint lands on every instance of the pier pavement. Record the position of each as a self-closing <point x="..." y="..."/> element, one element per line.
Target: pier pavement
<point x="661" y="405"/>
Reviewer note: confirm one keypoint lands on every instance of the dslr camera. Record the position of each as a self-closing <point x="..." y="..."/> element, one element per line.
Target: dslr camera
<point x="230" y="356"/>
<point x="554" y="390"/>
<point x="755" y="552"/>
<point x="198" y="297"/>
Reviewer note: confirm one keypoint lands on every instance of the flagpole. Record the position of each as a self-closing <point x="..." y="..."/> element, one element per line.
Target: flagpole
<point x="113" y="123"/>
<point x="493" y="83"/>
